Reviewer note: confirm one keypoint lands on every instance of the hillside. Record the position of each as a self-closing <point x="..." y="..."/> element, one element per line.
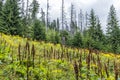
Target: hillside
<point x="22" y="59"/>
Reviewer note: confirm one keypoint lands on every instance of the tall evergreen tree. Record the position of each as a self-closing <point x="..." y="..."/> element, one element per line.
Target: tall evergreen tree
<point x="77" y="40"/>
<point x="113" y="30"/>
<point x="91" y="30"/>
<point x="99" y="36"/>
<point x="95" y="32"/>
<point x="98" y="31"/>
<point x="92" y="25"/>
<point x="39" y="31"/>
<point x="11" y="18"/>
<point x="1" y="6"/>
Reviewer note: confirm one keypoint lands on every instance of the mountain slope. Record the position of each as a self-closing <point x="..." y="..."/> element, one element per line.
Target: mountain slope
<point x="32" y="60"/>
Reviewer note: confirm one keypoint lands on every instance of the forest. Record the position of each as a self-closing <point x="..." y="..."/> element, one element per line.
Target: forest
<point x="35" y="47"/>
<point x="17" y="20"/>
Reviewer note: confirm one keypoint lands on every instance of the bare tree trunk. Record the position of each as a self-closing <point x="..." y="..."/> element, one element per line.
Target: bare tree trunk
<point x="62" y="14"/>
<point x="47" y="17"/>
<point x="27" y="9"/>
<point x="86" y="18"/>
<point x="23" y="5"/>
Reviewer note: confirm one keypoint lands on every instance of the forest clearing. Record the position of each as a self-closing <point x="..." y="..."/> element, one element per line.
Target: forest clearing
<point x="31" y="60"/>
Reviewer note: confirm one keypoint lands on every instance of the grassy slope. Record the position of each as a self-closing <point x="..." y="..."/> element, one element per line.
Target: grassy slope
<point x="53" y="62"/>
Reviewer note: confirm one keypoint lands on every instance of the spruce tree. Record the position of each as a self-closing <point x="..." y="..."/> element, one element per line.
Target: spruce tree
<point x="99" y="36"/>
<point x="77" y="40"/>
<point x="11" y="18"/>
<point x="93" y="23"/>
<point x="98" y="31"/>
<point x="95" y="32"/>
<point x="91" y="30"/>
<point x="39" y="31"/>
<point x="113" y="30"/>
<point x="1" y="6"/>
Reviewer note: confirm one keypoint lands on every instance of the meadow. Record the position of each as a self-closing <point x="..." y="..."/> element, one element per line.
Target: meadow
<point x="23" y="59"/>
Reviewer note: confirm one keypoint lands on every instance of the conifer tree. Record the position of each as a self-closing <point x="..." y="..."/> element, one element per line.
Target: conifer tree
<point x="1" y="6"/>
<point x="98" y="31"/>
<point x="92" y="25"/>
<point x="39" y="31"/>
<point x="11" y="18"/>
<point x="113" y="30"/>
<point x="95" y="32"/>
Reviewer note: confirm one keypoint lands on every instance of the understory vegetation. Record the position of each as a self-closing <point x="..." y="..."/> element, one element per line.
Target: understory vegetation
<point x="32" y="60"/>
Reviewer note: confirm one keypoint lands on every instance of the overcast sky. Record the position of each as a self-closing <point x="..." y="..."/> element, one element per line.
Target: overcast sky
<point x="101" y="7"/>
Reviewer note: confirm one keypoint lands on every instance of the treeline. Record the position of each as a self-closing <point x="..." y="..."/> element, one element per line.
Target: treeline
<point x="18" y="17"/>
